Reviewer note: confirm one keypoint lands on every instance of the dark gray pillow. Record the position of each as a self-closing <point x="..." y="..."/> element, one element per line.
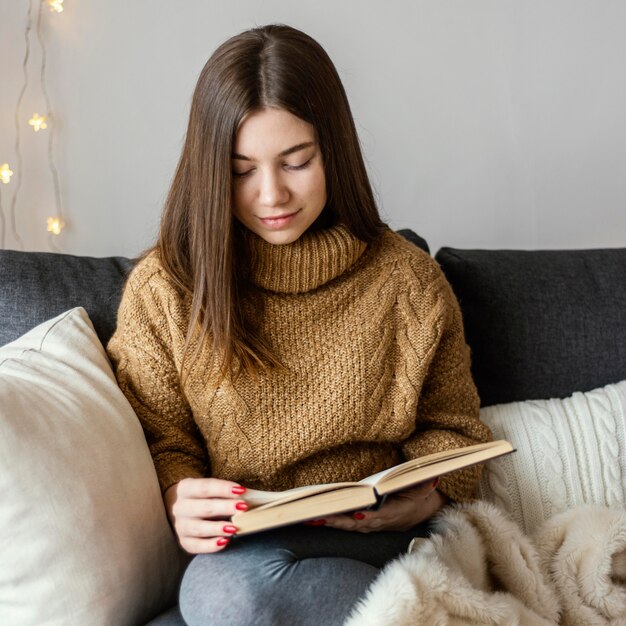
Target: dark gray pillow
<point x="36" y="286"/>
<point x="541" y="324"/>
<point x="413" y="237"/>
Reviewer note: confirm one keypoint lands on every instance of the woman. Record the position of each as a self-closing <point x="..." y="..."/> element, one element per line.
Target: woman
<point x="279" y="334"/>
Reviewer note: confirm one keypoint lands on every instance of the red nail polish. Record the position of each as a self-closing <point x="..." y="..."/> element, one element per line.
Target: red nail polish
<point x="358" y="516"/>
<point x="238" y="490"/>
<point x="223" y="541"/>
<point x="241" y="506"/>
<point x="318" y="522"/>
<point x="435" y="483"/>
<point x="231" y="530"/>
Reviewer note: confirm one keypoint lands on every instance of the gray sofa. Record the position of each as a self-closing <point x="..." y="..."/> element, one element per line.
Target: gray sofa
<point x="540" y="324"/>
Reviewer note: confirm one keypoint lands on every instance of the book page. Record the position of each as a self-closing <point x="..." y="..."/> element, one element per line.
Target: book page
<point x="432" y="459"/>
<point x="431" y="466"/>
<point x="256" y="497"/>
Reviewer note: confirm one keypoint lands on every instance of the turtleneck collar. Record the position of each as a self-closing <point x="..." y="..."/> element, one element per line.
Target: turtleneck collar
<point x="314" y="259"/>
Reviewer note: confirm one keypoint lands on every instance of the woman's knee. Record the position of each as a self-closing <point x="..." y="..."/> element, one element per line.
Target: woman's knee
<point x="222" y="589"/>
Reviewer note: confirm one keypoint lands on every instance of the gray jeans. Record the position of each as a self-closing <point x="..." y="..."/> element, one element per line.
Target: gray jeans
<point x="295" y="576"/>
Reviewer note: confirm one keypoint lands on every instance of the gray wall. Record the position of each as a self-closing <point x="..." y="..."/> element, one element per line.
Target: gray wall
<point x="484" y="123"/>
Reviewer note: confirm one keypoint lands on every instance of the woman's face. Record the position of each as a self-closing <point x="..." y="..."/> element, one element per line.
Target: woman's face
<point x="279" y="186"/>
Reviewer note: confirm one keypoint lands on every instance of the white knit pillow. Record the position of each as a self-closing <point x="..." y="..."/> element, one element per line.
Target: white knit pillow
<point x="83" y="533"/>
<point x="569" y="452"/>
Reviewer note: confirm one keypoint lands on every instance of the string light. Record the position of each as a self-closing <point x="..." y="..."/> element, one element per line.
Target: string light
<point x="38" y="122"/>
<point x="53" y="170"/>
<point x="56" y="5"/>
<point x="5" y="173"/>
<point x="55" y="225"/>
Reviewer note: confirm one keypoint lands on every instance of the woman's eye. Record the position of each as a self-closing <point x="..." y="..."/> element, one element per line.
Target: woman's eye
<point x="242" y="174"/>
<point x="299" y="167"/>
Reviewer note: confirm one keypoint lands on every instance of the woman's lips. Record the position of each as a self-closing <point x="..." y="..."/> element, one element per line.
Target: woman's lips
<point x="279" y="221"/>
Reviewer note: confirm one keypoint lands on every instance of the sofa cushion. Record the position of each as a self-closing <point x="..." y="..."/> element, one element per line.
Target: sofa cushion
<point x="36" y="286"/>
<point x="84" y="535"/>
<point x="570" y="452"/>
<point x="541" y="324"/>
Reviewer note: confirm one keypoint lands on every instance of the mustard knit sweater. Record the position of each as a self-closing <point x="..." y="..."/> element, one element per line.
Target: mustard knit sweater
<point x="377" y="369"/>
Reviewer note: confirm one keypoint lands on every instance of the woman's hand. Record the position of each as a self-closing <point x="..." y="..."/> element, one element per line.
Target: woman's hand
<point x="200" y="509"/>
<point x="400" y="511"/>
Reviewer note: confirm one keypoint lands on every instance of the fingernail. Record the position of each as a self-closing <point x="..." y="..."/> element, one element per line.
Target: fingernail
<point x="358" y="515"/>
<point x="318" y="522"/>
<point x="238" y="490"/>
<point x="231" y="530"/>
<point x="223" y="541"/>
<point x="241" y="506"/>
<point x="435" y="482"/>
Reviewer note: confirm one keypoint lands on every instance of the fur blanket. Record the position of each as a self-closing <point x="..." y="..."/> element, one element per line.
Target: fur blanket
<point x="479" y="569"/>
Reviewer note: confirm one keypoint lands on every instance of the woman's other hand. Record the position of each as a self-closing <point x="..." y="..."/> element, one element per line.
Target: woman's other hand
<point x="200" y="509"/>
<point x="400" y="511"/>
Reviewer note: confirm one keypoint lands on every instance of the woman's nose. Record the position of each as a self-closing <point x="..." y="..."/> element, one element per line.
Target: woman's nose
<point x="273" y="190"/>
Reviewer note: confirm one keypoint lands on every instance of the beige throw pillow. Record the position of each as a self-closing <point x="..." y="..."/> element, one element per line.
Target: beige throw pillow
<point x="83" y="533"/>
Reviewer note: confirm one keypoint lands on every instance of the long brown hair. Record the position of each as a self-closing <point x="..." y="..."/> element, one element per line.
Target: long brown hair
<point x="273" y="66"/>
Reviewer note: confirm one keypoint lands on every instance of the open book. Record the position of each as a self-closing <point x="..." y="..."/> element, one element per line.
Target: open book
<point x="269" y="509"/>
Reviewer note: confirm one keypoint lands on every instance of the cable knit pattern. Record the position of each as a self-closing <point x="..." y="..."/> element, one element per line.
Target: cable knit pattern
<point x="569" y="452"/>
<point x="376" y="368"/>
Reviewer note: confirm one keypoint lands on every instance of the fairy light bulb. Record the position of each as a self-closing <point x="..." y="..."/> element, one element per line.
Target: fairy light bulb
<point x="56" y="5"/>
<point x="55" y="225"/>
<point x="5" y="173"/>
<point x="38" y="122"/>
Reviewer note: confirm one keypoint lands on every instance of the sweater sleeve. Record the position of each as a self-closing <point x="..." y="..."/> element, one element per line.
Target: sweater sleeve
<point x="448" y="408"/>
<point x="142" y="354"/>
